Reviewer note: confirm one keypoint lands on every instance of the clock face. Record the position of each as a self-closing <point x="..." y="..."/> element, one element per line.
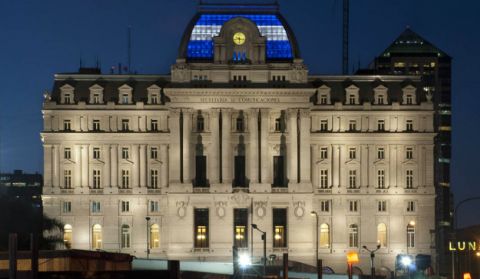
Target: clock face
<point x="239" y="38"/>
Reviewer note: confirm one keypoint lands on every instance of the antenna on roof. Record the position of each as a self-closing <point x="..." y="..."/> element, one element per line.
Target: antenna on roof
<point x="81" y="62"/>
<point x="346" y="15"/>
<point x="129" y="48"/>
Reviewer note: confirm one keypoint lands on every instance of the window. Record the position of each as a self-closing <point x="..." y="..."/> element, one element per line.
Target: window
<point x="352" y="99"/>
<point x="323" y="125"/>
<point x="95" y="207"/>
<point x="96" y="153"/>
<point x="200" y="171"/>
<point x="154" y="99"/>
<point x="67" y="235"/>
<point x="240" y="179"/>
<point x="323" y="153"/>
<point x="153" y="125"/>
<point x="409" y="153"/>
<point x="125" y="232"/>
<point x="67" y="153"/>
<point x="154" y="236"/>
<point x="411" y="206"/>
<point x="325" y="206"/>
<point x="352" y="125"/>
<point x="154" y="179"/>
<point x="154" y="206"/>
<point x="240" y="124"/>
<point x="411" y="236"/>
<point x="67" y="125"/>
<point x="68" y="98"/>
<point x="324" y="241"/>
<point x="125" y="206"/>
<point x="240" y="227"/>
<point x="278" y="124"/>
<point x="380" y="99"/>
<point x="353" y="236"/>
<point x="125" y="179"/>
<point x="353" y="206"/>
<point x="67" y="179"/>
<point x="96" y="125"/>
<point x="382" y="206"/>
<point x="279" y="176"/>
<point x="409" y="126"/>
<point x="279" y="227"/>
<point x="96" y="237"/>
<point x="409" y="99"/>
<point x="201" y="227"/>
<point x="380" y="153"/>
<point x="409" y="179"/>
<point x="67" y="207"/>
<point x="323" y="179"/>
<point x="323" y="99"/>
<point x="352" y="153"/>
<point x="382" y="235"/>
<point x="96" y="98"/>
<point x="125" y="153"/>
<point x="96" y="179"/>
<point x="381" y="125"/>
<point x="381" y="179"/>
<point x="125" y="98"/>
<point x="125" y="125"/>
<point x="200" y="124"/>
<point x="352" y="179"/>
<point x="153" y="153"/>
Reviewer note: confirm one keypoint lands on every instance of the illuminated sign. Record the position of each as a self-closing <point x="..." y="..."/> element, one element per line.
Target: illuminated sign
<point x="462" y="246"/>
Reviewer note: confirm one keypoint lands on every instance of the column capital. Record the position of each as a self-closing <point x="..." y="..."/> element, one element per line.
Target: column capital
<point x="188" y="110"/>
<point x="175" y="112"/>
<point x="292" y="112"/>
<point x="304" y="113"/>
<point x="214" y="112"/>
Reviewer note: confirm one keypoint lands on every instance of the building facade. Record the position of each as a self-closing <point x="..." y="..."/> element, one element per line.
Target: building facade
<point x="240" y="133"/>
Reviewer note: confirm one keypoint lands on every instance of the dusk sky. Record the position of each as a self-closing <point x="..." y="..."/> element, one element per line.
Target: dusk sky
<point x="41" y="38"/>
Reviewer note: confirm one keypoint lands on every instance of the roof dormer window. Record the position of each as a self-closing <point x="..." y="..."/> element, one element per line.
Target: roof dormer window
<point x="153" y="97"/>
<point x="96" y="94"/>
<point x="66" y="94"/>
<point x="352" y="95"/>
<point x="125" y="95"/>
<point x="409" y="95"/>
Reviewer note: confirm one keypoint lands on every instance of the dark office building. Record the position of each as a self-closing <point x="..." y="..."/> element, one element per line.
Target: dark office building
<point x="410" y="54"/>
<point x="22" y="186"/>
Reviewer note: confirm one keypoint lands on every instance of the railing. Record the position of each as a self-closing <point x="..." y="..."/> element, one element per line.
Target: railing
<point x="240" y="189"/>
<point x="201" y="250"/>
<point x="154" y="191"/>
<point x="201" y="189"/>
<point x="66" y="191"/>
<point x="353" y="191"/>
<point x="324" y="190"/>
<point x="410" y="191"/>
<point x="124" y="191"/>
<point x="279" y="189"/>
<point x="96" y="191"/>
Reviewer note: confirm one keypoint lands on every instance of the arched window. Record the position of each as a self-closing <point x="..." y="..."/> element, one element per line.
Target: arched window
<point x="410" y="235"/>
<point x="154" y="236"/>
<point x="67" y="236"/>
<point x="353" y="235"/>
<point x="97" y="236"/>
<point x="125" y="236"/>
<point x="382" y="235"/>
<point x="324" y="236"/>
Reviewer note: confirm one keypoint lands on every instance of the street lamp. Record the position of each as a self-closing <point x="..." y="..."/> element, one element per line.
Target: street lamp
<point x="352" y="257"/>
<point x="372" y="257"/>
<point x="406" y="262"/>
<point x="148" y="238"/>
<point x="315" y="214"/>
<point x="264" y="238"/>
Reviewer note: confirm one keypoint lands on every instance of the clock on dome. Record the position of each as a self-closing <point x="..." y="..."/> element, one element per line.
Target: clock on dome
<point x="239" y="38"/>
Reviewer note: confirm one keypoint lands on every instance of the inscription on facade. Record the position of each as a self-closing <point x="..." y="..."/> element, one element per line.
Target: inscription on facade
<point x="240" y="100"/>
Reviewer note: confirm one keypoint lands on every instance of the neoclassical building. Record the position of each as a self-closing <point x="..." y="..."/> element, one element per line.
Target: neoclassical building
<point x="240" y="133"/>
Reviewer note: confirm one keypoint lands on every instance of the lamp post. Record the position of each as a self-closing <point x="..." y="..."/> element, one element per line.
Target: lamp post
<point x="372" y="257"/>
<point x="315" y="214"/>
<point x="264" y="238"/>
<point x="352" y="257"/>
<point x="148" y="238"/>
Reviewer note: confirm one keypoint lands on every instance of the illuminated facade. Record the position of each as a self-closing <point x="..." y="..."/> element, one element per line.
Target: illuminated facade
<point x="239" y="133"/>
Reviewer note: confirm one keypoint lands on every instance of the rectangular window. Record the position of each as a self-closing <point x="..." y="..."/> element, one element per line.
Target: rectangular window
<point x="67" y="153"/>
<point x="67" y="125"/>
<point x="125" y="125"/>
<point x="67" y="207"/>
<point x="325" y="206"/>
<point x="96" y="153"/>
<point x="154" y="99"/>
<point x="95" y="207"/>
<point x="96" y="125"/>
<point x="67" y="179"/>
<point x="200" y="124"/>
<point x="409" y="99"/>
<point x="411" y="206"/>
<point x="352" y="179"/>
<point x="279" y="177"/>
<point x="323" y="125"/>
<point x="153" y="153"/>
<point x="323" y="179"/>
<point x="240" y="179"/>
<point x="125" y="179"/>
<point x="352" y="153"/>
<point x="240" y="124"/>
<point x="353" y="206"/>
<point x="381" y="179"/>
<point x="279" y="227"/>
<point x="96" y="179"/>
<point x="410" y="236"/>
<point x="125" y="98"/>
<point x="409" y="179"/>
<point x="409" y="153"/>
<point x="96" y="98"/>
<point x="382" y="206"/>
<point x="352" y="99"/>
<point x="201" y="232"/>
<point x="200" y="171"/>
<point x="323" y="153"/>
<point x="67" y="98"/>
<point x="380" y="100"/>
<point x="352" y="125"/>
<point x="381" y="153"/>
<point x="154" y="206"/>
<point x="409" y="125"/>
<point x="278" y="124"/>
<point x="125" y="206"/>
<point x="125" y="153"/>
<point x="323" y="99"/>
<point x="154" y="179"/>
<point x="240" y="227"/>
<point x="381" y="125"/>
<point x="153" y="125"/>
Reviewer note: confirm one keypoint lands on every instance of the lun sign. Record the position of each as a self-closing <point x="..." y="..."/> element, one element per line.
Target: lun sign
<point x="462" y="246"/>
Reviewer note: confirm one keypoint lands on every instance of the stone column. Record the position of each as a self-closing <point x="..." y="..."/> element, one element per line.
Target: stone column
<point x="187" y="146"/>
<point x="114" y="165"/>
<point x="292" y="146"/>
<point x="392" y="172"/>
<point x="78" y="166"/>
<point x="313" y="163"/>
<point x="372" y="156"/>
<point x="56" y="166"/>
<point x="85" y="170"/>
<point x="265" y="158"/>
<point x="364" y="165"/>
<point x="136" y="166"/>
<point x="106" y="169"/>
<point x="419" y="153"/>
<point x="47" y="165"/>
<point x="164" y="167"/>
<point x="253" y="145"/>
<point x="227" y="158"/>
<point x="336" y="165"/>
<point x="305" y="149"/>
<point x="174" y="150"/>
<point x="143" y="166"/>
<point x="213" y="158"/>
